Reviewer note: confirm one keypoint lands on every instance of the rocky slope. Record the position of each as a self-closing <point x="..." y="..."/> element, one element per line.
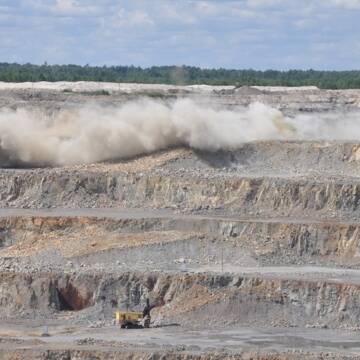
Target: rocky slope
<point x="255" y="251"/>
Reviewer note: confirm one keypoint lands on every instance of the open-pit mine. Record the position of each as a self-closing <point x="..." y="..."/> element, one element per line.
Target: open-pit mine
<point x="239" y="208"/>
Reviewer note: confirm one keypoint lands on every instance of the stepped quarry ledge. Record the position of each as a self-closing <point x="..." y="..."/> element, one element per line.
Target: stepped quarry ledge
<point x="253" y="248"/>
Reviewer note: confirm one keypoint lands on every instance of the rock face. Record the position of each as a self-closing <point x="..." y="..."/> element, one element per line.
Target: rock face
<point x="265" y="236"/>
<point x="269" y="178"/>
<point x="197" y="237"/>
<point x="231" y="192"/>
<point x="196" y="300"/>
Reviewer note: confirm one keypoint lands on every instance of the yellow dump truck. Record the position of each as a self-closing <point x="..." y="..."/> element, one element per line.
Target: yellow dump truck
<point x="129" y="319"/>
<point x="135" y="319"/>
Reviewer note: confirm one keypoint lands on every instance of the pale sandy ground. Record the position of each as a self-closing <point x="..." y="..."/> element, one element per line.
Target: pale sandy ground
<point x="342" y="343"/>
<point x="131" y="87"/>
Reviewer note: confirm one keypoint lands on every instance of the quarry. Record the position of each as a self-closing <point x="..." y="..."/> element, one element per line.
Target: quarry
<point x="237" y="206"/>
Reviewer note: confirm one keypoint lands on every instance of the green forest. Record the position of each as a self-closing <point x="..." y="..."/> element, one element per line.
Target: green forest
<point x="179" y="75"/>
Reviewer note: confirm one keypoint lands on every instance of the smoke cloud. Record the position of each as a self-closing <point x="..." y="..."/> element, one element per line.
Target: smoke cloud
<point x="94" y="134"/>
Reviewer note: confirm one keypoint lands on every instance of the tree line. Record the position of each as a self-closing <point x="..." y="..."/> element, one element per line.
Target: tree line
<point x="179" y="75"/>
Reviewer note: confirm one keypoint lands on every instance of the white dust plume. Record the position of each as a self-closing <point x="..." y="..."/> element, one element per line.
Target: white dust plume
<point x="93" y="134"/>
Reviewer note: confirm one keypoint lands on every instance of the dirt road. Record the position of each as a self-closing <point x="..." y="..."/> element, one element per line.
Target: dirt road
<point x="139" y="213"/>
<point x="173" y="337"/>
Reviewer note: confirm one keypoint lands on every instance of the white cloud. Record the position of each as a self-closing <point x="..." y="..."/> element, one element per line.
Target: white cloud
<point x="304" y="23"/>
<point x="66" y="5"/>
<point x="207" y="8"/>
<point x="63" y="7"/>
<point x="225" y="33"/>
<point x="347" y="4"/>
<point x="265" y="3"/>
<point x="5" y="9"/>
<point x="175" y="14"/>
<point x="247" y="13"/>
<point x="124" y="18"/>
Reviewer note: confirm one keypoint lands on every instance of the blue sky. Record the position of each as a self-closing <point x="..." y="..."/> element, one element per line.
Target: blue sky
<point x="259" y="34"/>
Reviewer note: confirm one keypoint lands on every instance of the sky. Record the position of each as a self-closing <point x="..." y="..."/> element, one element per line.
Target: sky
<point x="238" y="34"/>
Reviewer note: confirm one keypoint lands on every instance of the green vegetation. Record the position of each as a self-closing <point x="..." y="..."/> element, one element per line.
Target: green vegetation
<point x="184" y="75"/>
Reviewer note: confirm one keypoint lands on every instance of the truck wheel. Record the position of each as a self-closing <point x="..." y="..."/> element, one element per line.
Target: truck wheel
<point x="147" y="323"/>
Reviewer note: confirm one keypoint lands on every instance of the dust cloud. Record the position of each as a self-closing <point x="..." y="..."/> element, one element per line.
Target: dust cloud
<point x="93" y="134"/>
